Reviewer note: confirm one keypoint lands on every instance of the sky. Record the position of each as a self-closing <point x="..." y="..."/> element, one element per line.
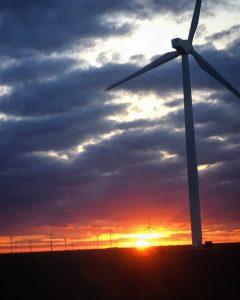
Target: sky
<point x="75" y="160"/>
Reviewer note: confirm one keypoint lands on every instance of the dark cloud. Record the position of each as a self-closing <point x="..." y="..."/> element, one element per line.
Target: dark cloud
<point x="33" y="98"/>
<point x="52" y="26"/>
<point x="49" y="96"/>
<point x="184" y="5"/>
<point x="59" y="132"/>
<point x="34" y="69"/>
<point x="224" y="34"/>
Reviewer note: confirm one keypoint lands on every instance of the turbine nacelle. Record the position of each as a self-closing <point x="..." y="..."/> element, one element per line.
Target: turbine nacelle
<point x="182" y="46"/>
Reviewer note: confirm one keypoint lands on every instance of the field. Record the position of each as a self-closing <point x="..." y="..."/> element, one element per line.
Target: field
<point x="179" y="272"/>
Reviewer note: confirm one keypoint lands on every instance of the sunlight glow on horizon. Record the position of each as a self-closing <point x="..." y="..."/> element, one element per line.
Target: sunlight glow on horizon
<point x="142" y="244"/>
<point x="160" y="237"/>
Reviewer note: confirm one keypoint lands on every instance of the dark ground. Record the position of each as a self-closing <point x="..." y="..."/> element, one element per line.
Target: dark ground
<point x="179" y="272"/>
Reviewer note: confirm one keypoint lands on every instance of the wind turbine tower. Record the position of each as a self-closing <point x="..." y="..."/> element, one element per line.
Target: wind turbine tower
<point x="65" y="243"/>
<point x="97" y="235"/>
<point x="30" y="244"/>
<point x="184" y="48"/>
<point x="110" y="236"/>
<point x="21" y="246"/>
<point x="11" y="243"/>
<point x="149" y="227"/>
<point x="51" y="241"/>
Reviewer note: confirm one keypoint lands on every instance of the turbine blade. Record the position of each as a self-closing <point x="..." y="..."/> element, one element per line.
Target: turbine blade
<point x="214" y="73"/>
<point x="195" y="20"/>
<point x="159" y="61"/>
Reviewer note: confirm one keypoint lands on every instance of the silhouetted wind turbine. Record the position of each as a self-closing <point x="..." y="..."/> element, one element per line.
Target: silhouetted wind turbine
<point x="65" y="243"/>
<point x="97" y="235"/>
<point x="21" y="246"/>
<point x="149" y="227"/>
<point x="30" y="244"/>
<point x="51" y="241"/>
<point x="184" y="48"/>
<point x="110" y="236"/>
<point x="227" y="237"/>
<point x="11" y="243"/>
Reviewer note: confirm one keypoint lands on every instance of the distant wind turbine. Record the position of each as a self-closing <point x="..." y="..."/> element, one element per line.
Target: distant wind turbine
<point x="21" y="246"/>
<point x="184" y="48"/>
<point x="51" y="241"/>
<point x="30" y="244"/>
<point x="149" y="228"/>
<point x="11" y="243"/>
<point x="110" y="236"/>
<point x="65" y="243"/>
<point x="97" y="235"/>
<point x="227" y="237"/>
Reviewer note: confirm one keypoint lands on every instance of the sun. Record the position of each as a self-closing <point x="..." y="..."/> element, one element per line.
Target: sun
<point x="141" y="244"/>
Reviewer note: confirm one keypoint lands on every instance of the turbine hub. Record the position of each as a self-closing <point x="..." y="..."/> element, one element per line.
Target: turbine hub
<point x="182" y="46"/>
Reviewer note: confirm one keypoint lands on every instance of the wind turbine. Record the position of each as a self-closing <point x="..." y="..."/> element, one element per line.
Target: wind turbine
<point x="97" y="235"/>
<point x="65" y="243"/>
<point x="21" y="246"/>
<point x="30" y="244"/>
<point x="184" y="48"/>
<point x="11" y="243"/>
<point x="51" y="241"/>
<point x="148" y="228"/>
<point x="110" y="236"/>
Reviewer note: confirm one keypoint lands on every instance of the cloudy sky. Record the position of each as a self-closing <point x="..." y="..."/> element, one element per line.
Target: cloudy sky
<point x="75" y="159"/>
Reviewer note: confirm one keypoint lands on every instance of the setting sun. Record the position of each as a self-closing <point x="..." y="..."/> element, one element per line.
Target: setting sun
<point x="141" y="244"/>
